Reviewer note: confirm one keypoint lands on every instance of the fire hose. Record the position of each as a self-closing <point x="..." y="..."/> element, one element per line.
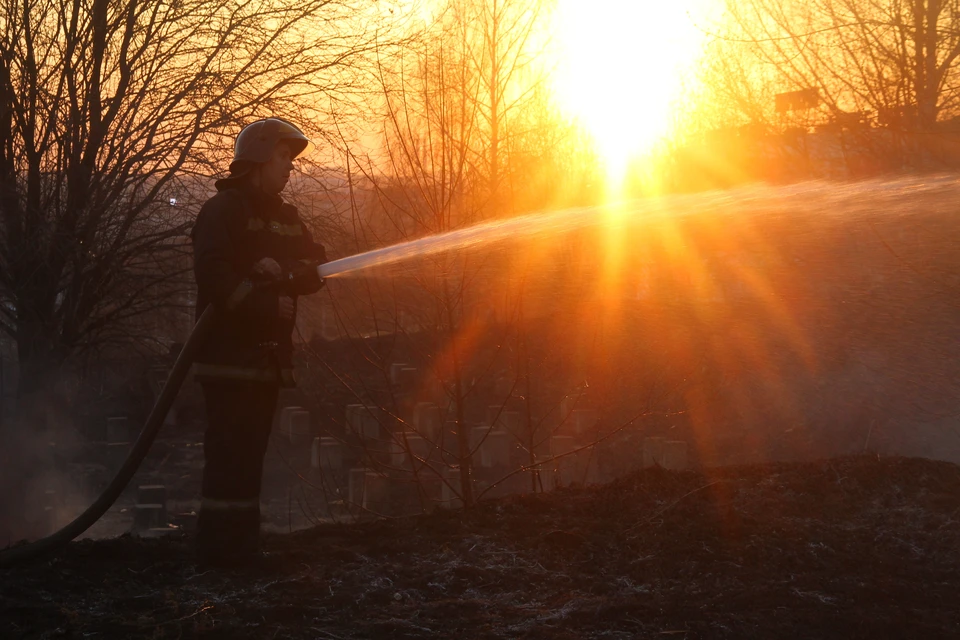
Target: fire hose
<point x="497" y="230"/>
<point x="383" y="256"/>
<point x="181" y="368"/>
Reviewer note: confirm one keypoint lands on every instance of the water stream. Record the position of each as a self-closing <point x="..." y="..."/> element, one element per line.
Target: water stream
<point x="872" y="197"/>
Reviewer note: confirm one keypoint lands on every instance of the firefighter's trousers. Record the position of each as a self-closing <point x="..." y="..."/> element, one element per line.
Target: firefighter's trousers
<point x="239" y="419"/>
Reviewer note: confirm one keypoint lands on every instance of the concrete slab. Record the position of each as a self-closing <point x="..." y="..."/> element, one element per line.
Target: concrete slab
<point x="149" y="516"/>
<point x="674" y="455"/>
<point x="652" y="451"/>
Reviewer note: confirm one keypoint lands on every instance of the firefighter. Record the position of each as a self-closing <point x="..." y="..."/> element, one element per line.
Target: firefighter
<point x="253" y="256"/>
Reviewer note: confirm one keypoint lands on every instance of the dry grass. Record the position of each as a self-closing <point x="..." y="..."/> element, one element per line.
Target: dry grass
<point x="844" y="548"/>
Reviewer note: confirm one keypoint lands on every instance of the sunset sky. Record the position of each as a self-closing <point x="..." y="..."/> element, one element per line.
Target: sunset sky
<point x="624" y="64"/>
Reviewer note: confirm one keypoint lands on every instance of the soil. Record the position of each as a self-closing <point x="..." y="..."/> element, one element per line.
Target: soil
<point x="859" y="547"/>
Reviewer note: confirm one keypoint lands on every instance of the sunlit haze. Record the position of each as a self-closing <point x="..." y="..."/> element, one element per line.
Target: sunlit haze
<point x="623" y="66"/>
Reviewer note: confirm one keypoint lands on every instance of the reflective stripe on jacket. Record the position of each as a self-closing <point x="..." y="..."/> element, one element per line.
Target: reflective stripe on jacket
<point x="225" y="372"/>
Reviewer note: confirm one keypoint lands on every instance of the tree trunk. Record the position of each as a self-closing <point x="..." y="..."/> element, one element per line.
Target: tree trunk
<point x="495" y="98"/>
<point x="927" y="107"/>
<point x="926" y="82"/>
<point x="40" y="405"/>
<point x="463" y="435"/>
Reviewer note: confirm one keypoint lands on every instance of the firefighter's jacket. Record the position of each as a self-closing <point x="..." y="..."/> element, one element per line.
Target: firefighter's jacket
<point x="235" y="229"/>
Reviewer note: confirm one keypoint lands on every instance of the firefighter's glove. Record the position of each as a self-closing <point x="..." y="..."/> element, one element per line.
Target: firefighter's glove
<point x="303" y="279"/>
<point x="268" y="268"/>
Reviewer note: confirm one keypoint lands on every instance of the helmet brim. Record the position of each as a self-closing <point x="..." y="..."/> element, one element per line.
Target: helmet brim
<point x="298" y="146"/>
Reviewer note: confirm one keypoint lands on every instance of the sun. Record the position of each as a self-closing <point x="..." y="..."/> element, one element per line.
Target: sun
<point x="622" y="67"/>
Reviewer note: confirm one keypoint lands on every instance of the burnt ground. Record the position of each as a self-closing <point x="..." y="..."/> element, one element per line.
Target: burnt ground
<point x="844" y="548"/>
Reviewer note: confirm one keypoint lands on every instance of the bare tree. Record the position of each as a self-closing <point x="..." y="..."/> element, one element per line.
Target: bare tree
<point x="106" y="109"/>
<point x="449" y="104"/>
<point x="895" y="59"/>
<point x="469" y="136"/>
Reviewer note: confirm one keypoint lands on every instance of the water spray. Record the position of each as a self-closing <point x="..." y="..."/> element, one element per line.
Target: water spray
<point x="494" y="231"/>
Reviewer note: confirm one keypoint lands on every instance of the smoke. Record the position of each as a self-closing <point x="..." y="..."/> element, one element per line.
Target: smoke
<point x="37" y="490"/>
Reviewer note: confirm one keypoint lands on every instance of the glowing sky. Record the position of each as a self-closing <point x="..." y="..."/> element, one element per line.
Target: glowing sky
<point x="623" y="65"/>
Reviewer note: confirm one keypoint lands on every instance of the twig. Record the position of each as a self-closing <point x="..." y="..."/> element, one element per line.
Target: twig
<point x="672" y="505"/>
<point x="195" y="613"/>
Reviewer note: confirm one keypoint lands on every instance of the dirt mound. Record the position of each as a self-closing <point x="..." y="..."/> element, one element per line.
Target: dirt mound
<point x="844" y="548"/>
